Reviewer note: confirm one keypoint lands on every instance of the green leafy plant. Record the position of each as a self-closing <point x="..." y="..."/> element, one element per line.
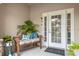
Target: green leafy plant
<point x="7" y="38"/>
<point x="27" y="27"/>
<point x="72" y="47"/>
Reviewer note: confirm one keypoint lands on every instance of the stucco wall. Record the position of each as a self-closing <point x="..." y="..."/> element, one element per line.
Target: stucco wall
<point x="13" y="15"/>
<point x="76" y="23"/>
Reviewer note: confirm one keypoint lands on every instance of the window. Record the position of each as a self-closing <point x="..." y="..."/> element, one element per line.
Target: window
<point x="45" y="28"/>
<point x="68" y="28"/>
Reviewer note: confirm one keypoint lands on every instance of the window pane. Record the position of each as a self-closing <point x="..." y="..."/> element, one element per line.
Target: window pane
<point x="56" y="28"/>
<point x="45" y="28"/>
<point x="68" y="28"/>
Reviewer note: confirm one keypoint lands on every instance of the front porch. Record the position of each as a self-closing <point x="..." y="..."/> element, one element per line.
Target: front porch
<point x="58" y="24"/>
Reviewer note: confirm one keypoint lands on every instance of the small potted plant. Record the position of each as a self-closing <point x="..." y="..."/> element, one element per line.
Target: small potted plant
<point x="7" y="40"/>
<point x="73" y="49"/>
<point x="8" y="45"/>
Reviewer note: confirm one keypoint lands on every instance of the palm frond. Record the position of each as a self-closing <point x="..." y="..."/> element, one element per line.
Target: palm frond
<point x="27" y="27"/>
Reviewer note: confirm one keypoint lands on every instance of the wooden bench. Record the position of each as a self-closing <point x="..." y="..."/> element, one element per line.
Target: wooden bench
<point x="19" y="43"/>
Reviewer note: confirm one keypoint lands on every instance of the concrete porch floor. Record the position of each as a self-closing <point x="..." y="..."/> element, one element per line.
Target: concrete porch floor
<point x="37" y="52"/>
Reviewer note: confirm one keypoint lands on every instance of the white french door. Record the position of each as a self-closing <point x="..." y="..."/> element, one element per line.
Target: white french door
<point x="57" y="29"/>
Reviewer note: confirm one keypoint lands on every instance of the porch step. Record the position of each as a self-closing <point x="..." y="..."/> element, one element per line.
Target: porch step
<point x="55" y="50"/>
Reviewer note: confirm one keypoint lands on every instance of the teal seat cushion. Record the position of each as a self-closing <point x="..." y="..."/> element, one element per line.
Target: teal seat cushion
<point x="25" y="37"/>
<point x="30" y="36"/>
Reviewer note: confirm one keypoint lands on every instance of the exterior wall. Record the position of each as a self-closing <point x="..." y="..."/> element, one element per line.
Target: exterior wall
<point x="38" y="9"/>
<point x="76" y="23"/>
<point x="13" y="15"/>
<point x="1" y="22"/>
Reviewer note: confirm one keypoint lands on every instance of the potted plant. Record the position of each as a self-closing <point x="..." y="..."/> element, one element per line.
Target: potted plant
<point x="73" y="49"/>
<point x="8" y="45"/>
<point x="27" y="28"/>
<point x="7" y="40"/>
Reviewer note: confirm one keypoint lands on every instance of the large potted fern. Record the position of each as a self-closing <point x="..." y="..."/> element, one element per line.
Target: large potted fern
<point x="27" y="28"/>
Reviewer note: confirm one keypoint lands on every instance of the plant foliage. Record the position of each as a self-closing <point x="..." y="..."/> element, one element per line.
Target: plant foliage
<point x="72" y="47"/>
<point x="7" y="38"/>
<point x="27" y="27"/>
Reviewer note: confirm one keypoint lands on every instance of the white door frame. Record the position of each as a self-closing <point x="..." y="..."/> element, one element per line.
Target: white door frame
<point x="45" y="15"/>
<point x="70" y="10"/>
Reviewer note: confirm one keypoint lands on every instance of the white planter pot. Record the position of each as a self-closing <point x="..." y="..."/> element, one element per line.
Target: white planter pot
<point x="7" y="44"/>
<point x="76" y="52"/>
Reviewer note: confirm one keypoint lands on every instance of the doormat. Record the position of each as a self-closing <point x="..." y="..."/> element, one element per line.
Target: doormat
<point x="56" y="51"/>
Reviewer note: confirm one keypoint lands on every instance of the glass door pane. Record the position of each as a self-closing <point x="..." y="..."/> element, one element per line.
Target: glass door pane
<point x="56" y="29"/>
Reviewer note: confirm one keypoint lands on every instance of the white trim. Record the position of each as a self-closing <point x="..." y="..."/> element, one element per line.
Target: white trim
<point x="45" y="15"/>
<point x="71" y="10"/>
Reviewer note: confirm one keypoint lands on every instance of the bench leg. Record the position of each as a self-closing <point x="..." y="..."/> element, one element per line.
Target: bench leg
<point x="18" y="49"/>
<point x="40" y="45"/>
